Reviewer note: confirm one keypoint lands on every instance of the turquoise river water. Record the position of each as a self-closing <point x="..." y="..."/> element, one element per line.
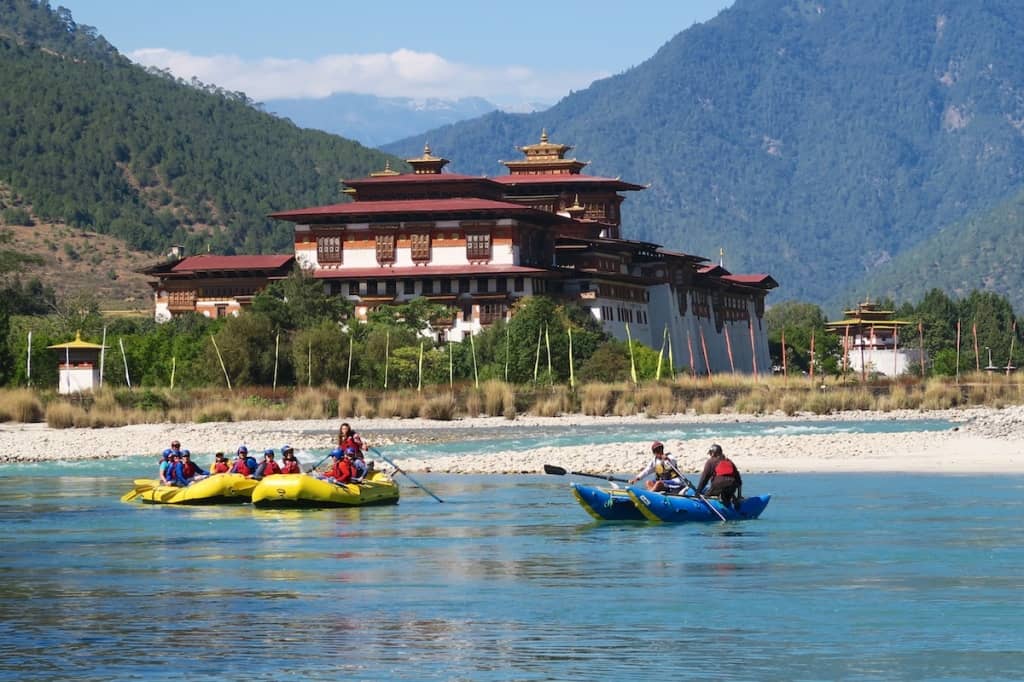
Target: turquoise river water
<point x="845" y="577"/>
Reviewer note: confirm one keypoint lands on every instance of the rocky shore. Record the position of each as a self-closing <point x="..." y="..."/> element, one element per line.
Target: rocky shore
<point x="981" y="439"/>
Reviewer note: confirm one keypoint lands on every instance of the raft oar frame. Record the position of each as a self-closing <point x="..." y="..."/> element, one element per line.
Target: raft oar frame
<point x="696" y="492"/>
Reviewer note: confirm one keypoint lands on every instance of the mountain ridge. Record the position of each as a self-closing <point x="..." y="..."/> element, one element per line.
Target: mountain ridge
<point x="812" y="140"/>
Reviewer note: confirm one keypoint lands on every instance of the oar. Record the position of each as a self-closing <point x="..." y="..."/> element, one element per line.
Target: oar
<point x="315" y="466"/>
<point x="696" y="492"/>
<point x="141" y="486"/>
<point x="399" y="470"/>
<point x="559" y="471"/>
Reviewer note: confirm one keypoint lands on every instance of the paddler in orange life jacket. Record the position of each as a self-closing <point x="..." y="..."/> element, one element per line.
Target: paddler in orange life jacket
<point x="667" y="478"/>
<point x="723" y="476"/>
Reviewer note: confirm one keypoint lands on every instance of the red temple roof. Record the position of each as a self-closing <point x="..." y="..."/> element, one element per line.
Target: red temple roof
<point x="566" y="178"/>
<point x="426" y="206"/>
<point x="758" y="280"/>
<point x="205" y="263"/>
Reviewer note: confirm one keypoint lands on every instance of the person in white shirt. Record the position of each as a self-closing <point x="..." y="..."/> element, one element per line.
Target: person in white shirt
<point x="667" y="478"/>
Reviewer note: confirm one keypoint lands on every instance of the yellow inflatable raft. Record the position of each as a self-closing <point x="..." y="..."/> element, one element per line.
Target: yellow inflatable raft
<point x="303" y="490"/>
<point x="215" y="489"/>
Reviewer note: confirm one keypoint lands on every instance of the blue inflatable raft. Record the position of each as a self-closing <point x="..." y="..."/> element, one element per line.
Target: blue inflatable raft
<point x="606" y="504"/>
<point x="677" y="508"/>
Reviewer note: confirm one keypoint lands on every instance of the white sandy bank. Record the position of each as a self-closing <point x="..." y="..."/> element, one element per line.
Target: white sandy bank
<point x="983" y="441"/>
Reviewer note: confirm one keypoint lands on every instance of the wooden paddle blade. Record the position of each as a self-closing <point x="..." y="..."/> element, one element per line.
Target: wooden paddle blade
<point x="553" y="470"/>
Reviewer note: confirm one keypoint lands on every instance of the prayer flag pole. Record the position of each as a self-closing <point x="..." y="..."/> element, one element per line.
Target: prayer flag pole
<point x="958" y="350"/>
<point x="785" y="369"/>
<point x="632" y="361"/>
<point x="704" y="349"/>
<point x="728" y="348"/>
<point x="977" y="355"/>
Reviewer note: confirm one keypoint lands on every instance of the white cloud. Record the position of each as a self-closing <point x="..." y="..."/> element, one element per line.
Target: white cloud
<point x="402" y="73"/>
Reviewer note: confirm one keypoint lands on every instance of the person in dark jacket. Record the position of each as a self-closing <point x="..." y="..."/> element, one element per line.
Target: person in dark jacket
<point x="723" y="477"/>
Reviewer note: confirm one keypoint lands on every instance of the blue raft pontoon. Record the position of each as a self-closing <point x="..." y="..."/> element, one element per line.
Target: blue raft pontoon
<point x="679" y="508"/>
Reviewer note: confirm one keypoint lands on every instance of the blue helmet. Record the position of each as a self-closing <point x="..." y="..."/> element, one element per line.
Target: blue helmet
<point x="268" y="451"/>
<point x="286" y="448"/>
<point x="242" y="449"/>
<point x="167" y="453"/>
<point x="337" y="453"/>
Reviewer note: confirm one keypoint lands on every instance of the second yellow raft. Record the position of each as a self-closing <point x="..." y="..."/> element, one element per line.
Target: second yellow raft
<point x="303" y="490"/>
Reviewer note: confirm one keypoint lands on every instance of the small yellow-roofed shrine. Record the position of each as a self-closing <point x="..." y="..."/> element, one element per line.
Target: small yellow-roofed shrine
<point x="871" y="340"/>
<point x="79" y="365"/>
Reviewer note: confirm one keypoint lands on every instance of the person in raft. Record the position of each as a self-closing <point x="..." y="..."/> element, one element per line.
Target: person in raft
<point x="165" y="465"/>
<point x="165" y="461"/>
<point x="220" y="464"/>
<point x="241" y="465"/>
<point x="723" y="476"/>
<point x="347" y="438"/>
<point x="268" y="467"/>
<point x="358" y="464"/>
<point x="289" y="464"/>
<point x="667" y="478"/>
<point x="189" y="469"/>
<point x="342" y="471"/>
<point x="176" y="472"/>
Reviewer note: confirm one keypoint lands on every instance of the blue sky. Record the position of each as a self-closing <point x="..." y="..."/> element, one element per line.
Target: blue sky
<point x="508" y="52"/>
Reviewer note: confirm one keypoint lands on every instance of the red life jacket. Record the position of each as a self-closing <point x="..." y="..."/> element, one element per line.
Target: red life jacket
<point x="188" y="469"/>
<point x="725" y="468"/>
<point x="341" y="471"/>
<point x="291" y="467"/>
<point x="351" y="441"/>
<point x="220" y="466"/>
<point x="242" y="468"/>
<point x="271" y="468"/>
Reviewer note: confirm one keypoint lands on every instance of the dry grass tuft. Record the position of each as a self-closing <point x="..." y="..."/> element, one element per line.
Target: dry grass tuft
<point x="20" y="405"/>
<point x="441" y="408"/>
<point x="598" y="399"/>
<point x="498" y="398"/>
<point x="656" y="400"/>
<point x="61" y="415"/>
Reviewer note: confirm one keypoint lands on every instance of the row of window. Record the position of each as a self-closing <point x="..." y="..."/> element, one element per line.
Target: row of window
<point x="428" y="286"/>
<point x="329" y="248"/>
<point x="621" y="314"/>
<point x="622" y="293"/>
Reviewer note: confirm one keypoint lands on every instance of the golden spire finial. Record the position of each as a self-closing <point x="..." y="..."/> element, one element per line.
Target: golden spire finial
<point x="426" y="149"/>
<point x="543" y="135"/>
<point x="78" y="335"/>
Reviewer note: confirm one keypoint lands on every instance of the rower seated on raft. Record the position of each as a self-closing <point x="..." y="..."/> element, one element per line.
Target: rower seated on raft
<point x="667" y="478"/>
<point x="343" y="471"/>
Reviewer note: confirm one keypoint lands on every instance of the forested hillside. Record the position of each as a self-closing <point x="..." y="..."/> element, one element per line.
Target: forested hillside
<point x="984" y="252"/>
<point x="815" y="140"/>
<point x="92" y="140"/>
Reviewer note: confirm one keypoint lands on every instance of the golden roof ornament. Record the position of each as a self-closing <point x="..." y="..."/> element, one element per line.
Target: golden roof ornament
<point x="428" y="164"/>
<point x="386" y="172"/>
<point x="576" y="210"/>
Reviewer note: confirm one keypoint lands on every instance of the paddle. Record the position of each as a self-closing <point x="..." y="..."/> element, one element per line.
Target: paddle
<point x="141" y="486"/>
<point x="696" y="492"/>
<point x="559" y="471"/>
<point x="315" y="466"/>
<point x="399" y="470"/>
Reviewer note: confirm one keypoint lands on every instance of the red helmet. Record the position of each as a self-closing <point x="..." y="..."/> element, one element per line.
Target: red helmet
<point x="657" y="445"/>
